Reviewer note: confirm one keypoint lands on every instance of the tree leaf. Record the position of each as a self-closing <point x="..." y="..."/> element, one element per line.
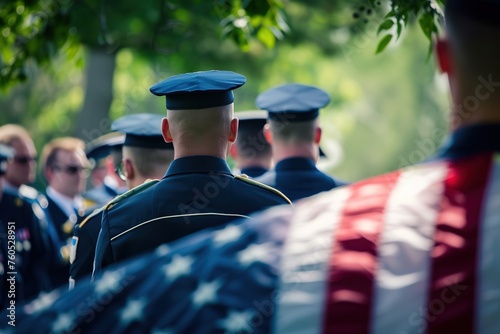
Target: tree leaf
<point x="386" y="25"/>
<point x="266" y="37"/>
<point x="383" y="43"/>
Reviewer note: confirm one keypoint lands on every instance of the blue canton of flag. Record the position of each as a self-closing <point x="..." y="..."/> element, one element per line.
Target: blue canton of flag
<point x="187" y="289"/>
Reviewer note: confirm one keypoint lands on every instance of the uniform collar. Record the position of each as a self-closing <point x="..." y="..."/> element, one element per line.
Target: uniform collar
<point x="67" y="205"/>
<point x="295" y="164"/>
<point x="253" y="171"/>
<point x="198" y="164"/>
<point x="471" y="140"/>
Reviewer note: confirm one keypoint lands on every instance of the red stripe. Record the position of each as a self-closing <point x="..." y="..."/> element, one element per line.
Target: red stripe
<point x="354" y="258"/>
<point x="453" y="281"/>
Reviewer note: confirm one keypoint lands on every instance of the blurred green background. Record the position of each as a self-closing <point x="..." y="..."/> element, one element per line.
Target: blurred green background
<point x="387" y="111"/>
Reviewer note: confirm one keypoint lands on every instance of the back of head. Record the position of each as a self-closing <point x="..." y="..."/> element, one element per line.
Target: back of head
<point x="251" y="142"/>
<point x="473" y="30"/>
<point x="200" y="111"/>
<point x="143" y="146"/>
<point x="293" y="111"/>
<point x="201" y="129"/>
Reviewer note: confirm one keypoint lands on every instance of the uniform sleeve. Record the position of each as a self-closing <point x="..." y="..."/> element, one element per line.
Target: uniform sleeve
<point x="37" y="273"/>
<point x="103" y="251"/>
<point x="82" y="251"/>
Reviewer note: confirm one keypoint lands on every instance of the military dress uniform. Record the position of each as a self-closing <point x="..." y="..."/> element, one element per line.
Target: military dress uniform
<point x="297" y="177"/>
<point x="63" y="226"/>
<point x="143" y="131"/>
<point x="412" y="251"/>
<point x="25" y="247"/>
<point x="254" y="171"/>
<point x="197" y="192"/>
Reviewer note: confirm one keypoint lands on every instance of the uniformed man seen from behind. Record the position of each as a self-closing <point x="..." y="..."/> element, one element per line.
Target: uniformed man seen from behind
<point x="251" y="152"/>
<point x="106" y="185"/>
<point x="145" y="156"/>
<point x="198" y="191"/>
<point x="294" y="134"/>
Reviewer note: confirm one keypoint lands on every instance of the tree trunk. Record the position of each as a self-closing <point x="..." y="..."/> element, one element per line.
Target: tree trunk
<point x="93" y="120"/>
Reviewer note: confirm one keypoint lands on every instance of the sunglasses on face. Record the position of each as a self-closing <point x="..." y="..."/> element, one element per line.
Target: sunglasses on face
<point x="24" y="159"/>
<point x="72" y="170"/>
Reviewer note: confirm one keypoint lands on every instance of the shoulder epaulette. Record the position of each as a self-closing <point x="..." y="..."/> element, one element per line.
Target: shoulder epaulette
<point x="93" y="214"/>
<point x="245" y="178"/>
<point x="147" y="184"/>
<point x="28" y="192"/>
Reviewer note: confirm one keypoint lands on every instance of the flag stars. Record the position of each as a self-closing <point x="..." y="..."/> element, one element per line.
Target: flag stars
<point x="162" y="331"/>
<point x="228" y="234"/>
<point x="162" y="250"/>
<point x="255" y="253"/>
<point x="180" y="265"/>
<point x="134" y="310"/>
<point x="110" y="281"/>
<point x="43" y="301"/>
<point x="63" y="323"/>
<point x="237" y="322"/>
<point x="206" y="293"/>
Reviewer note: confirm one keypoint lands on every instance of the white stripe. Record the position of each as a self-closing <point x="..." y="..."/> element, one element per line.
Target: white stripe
<point x="304" y="272"/>
<point x="178" y="216"/>
<point x="407" y="237"/>
<point x="488" y="287"/>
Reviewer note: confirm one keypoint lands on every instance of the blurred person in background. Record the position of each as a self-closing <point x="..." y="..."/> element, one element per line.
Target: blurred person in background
<point x="65" y="168"/>
<point x="105" y="183"/>
<point x="147" y="157"/>
<point x="251" y="152"/>
<point x="24" y="246"/>
<point x="294" y="134"/>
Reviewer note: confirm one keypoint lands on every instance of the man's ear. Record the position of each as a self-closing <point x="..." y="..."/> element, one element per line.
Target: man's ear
<point x="129" y="169"/>
<point x="165" y="130"/>
<point x="317" y="135"/>
<point x="233" y="133"/>
<point x="268" y="133"/>
<point x="443" y="54"/>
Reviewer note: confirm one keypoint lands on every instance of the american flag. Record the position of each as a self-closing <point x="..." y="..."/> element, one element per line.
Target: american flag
<point x="413" y="251"/>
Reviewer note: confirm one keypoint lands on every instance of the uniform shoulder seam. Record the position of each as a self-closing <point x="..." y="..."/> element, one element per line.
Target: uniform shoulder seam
<point x="246" y="179"/>
<point x="147" y="184"/>
<point x="93" y="214"/>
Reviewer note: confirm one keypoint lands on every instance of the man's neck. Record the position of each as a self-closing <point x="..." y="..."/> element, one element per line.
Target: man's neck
<point x="461" y="117"/>
<point x="286" y="151"/>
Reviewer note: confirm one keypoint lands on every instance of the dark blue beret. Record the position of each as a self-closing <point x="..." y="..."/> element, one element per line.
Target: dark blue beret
<point x="482" y="10"/>
<point x="293" y="102"/>
<point x="199" y="90"/>
<point x="142" y="130"/>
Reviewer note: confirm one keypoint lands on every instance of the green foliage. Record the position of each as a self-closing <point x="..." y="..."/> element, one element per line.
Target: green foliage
<point x="428" y="13"/>
<point x="38" y="30"/>
<point x="31" y="30"/>
<point x="383" y="43"/>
